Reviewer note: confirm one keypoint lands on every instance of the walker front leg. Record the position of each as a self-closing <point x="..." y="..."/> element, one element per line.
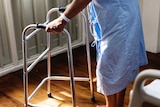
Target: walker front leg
<point x="71" y="69"/>
<point x="70" y="64"/>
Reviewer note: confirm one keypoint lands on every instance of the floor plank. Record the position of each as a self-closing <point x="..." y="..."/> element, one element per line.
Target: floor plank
<point x="11" y="85"/>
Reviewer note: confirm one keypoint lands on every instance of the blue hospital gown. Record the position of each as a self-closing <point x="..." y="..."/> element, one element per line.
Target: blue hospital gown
<point x="119" y="40"/>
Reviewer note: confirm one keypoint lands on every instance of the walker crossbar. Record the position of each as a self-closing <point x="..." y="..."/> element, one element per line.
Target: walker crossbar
<point x="27" y="68"/>
<point x="62" y="9"/>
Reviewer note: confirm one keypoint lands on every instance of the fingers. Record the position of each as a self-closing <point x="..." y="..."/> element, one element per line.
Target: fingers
<point x="55" y="26"/>
<point x="54" y="30"/>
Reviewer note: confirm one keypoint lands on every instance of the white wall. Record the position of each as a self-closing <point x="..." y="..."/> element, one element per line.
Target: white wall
<point x="150" y="11"/>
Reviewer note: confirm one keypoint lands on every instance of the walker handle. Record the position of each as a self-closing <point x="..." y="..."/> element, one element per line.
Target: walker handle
<point x="62" y="9"/>
<point x="41" y="25"/>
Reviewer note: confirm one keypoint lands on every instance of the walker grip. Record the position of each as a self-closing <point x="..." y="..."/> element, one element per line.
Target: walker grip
<point x="62" y="9"/>
<point x="42" y="26"/>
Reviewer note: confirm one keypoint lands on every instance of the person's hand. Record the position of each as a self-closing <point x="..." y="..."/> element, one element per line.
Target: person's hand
<point x="56" y="26"/>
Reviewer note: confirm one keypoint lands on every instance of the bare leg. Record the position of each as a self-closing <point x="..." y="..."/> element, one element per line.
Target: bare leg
<point x="115" y="100"/>
<point x="110" y="100"/>
<point x="120" y="98"/>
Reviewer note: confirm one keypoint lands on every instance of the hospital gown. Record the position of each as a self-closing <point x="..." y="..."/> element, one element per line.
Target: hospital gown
<point x="119" y="42"/>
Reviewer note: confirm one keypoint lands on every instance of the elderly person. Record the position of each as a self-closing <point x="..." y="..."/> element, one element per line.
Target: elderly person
<point x="119" y="43"/>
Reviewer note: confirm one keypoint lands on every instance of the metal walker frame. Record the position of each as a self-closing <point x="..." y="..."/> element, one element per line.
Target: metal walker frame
<point x="27" y="68"/>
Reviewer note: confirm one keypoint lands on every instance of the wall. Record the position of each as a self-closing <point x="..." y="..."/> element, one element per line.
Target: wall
<point x="15" y="15"/>
<point x="150" y="11"/>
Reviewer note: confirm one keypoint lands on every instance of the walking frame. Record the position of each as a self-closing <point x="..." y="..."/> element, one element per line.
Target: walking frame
<point x="27" y="68"/>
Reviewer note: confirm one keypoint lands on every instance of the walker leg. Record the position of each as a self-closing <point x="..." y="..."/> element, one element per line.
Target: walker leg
<point x="89" y="69"/>
<point x="49" y="66"/>
<point x="71" y="70"/>
<point x="50" y="95"/>
<point x="88" y="58"/>
<point x="25" y="73"/>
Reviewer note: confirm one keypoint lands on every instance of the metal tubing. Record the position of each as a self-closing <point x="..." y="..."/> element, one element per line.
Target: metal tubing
<point x="71" y="70"/>
<point x="25" y="73"/>
<point x="28" y="69"/>
<point x="49" y="13"/>
<point x="37" y="105"/>
<point x="88" y="56"/>
<point x="68" y="78"/>
<point x="55" y="78"/>
<point x="70" y="59"/>
<point x="47" y="51"/>
<point x="49" y="64"/>
<point x="38" y="87"/>
<point x="37" y="60"/>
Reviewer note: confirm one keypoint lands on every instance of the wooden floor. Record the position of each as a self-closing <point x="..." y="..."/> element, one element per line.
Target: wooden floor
<point x="11" y="85"/>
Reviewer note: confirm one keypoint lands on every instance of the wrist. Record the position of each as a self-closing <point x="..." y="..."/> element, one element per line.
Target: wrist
<point x="65" y="18"/>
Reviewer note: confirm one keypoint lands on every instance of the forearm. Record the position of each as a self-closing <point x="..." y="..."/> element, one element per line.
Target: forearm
<point x="75" y="7"/>
<point x="57" y="25"/>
